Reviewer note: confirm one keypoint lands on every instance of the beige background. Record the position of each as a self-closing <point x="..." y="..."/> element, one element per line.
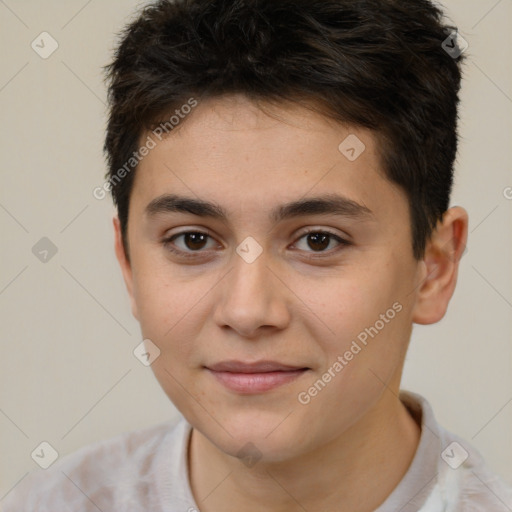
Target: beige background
<point x="67" y="372"/>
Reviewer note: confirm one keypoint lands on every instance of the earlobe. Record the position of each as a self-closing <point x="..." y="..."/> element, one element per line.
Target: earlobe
<point x="124" y="263"/>
<point x="441" y="262"/>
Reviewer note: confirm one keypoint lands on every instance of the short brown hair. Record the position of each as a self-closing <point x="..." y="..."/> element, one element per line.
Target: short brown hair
<point x="374" y="63"/>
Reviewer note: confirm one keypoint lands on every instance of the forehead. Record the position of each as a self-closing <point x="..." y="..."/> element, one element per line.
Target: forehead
<point x="248" y="159"/>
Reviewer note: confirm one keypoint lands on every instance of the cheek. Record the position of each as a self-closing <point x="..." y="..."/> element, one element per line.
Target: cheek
<point x="165" y="306"/>
<point x="367" y="324"/>
<point x="168" y="316"/>
<point x="348" y="305"/>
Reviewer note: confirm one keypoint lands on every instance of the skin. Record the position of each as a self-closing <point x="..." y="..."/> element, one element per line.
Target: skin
<point x="350" y="446"/>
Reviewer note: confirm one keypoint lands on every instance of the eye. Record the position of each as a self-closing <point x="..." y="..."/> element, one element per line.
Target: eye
<point x="319" y="241"/>
<point x="193" y="242"/>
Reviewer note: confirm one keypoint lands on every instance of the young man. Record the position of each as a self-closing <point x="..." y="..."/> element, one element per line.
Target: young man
<point x="282" y="173"/>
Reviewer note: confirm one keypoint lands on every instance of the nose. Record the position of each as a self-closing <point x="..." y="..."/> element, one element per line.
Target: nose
<point x="253" y="297"/>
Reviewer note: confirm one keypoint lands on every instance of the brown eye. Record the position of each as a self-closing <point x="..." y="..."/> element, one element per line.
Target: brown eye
<point x="192" y="243"/>
<point x="318" y="241"/>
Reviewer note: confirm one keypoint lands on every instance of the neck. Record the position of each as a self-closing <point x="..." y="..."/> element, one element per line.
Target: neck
<point x="379" y="448"/>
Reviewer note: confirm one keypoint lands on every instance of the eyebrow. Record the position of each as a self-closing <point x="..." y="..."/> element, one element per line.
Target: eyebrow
<point x="333" y="204"/>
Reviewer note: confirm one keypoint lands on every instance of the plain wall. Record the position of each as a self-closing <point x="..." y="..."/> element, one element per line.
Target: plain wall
<point x="67" y="372"/>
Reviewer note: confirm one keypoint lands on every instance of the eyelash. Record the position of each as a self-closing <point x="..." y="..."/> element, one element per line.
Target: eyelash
<point x="194" y="254"/>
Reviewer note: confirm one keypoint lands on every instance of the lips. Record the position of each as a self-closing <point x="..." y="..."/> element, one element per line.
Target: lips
<point x="253" y="378"/>
<point x="256" y="367"/>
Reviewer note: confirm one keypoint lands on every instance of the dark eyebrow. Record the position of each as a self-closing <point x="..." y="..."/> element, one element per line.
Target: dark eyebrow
<point x="333" y="204"/>
<point x="329" y="204"/>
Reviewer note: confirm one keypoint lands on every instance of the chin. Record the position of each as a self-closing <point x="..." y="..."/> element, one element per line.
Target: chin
<point x="257" y="435"/>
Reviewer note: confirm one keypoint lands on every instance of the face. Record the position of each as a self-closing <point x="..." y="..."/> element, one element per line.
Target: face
<point x="301" y="261"/>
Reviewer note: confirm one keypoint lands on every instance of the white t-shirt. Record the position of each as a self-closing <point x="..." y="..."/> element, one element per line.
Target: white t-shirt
<point x="146" y="470"/>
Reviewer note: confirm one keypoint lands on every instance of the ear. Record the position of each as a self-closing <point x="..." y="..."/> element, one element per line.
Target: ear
<point x="125" y="265"/>
<point x="441" y="263"/>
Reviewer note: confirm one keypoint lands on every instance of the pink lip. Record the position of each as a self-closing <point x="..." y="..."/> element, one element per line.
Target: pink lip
<point x="251" y="378"/>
